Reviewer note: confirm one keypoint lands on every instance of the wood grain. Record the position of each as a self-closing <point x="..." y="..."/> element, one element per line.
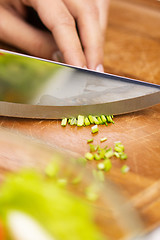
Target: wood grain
<point x="132" y="49"/>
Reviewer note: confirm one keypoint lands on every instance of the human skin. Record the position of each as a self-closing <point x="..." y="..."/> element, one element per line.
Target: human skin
<point x="83" y="48"/>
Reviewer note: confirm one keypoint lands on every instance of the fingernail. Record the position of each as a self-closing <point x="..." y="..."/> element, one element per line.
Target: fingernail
<point x="57" y="56"/>
<point x="100" y="68"/>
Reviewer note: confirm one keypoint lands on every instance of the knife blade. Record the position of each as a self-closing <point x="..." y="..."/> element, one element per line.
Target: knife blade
<point x="32" y="87"/>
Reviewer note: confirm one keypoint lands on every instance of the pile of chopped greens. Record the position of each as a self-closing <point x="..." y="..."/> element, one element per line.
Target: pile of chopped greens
<point x="103" y="156"/>
<point x="96" y="152"/>
<point x="86" y="121"/>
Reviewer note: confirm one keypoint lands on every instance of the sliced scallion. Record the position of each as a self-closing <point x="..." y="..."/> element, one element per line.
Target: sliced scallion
<point x="119" y="149"/>
<point x="117" y="143"/>
<point x="109" y="153"/>
<point x="64" y="122"/>
<point x="73" y="121"/>
<point x="89" y="156"/>
<point x="116" y="154"/>
<point x="80" y="121"/>
<point x="103" y="118"/>
<point x="97" y="157"/>
<point x="123" y="156"/>
<point x="102" y="153"/>
<point x="99" y="120"/>
<point x="90" y="117"/>
<point x="90" y="140"/>
<point x="86" y="121"/>
<point x="95" y="120"/>
<point x="92" y="148"/>
<point x="101" y="166"/>
<point x="107" y="164"/>
<point x="109" y="119"/>
<point x="125" y="169"/>
<point x="94" y="129"/>
<point x="103" y="139"/>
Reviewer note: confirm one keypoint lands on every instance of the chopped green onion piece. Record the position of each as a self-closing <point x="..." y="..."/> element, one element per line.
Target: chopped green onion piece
<point x="89" y="156"/>
<point x="98" y="175"/>
<point x="117" y="143"/>
<point x="86" y="121"/>
<point x="99" y="120"/>
<point x="98" y="148"/>
<point x="64" y="122"/>
<point x="90" y="117"/>
<point x="109" y="119"/>
<point x="95" y="120"/>
<point x="80" y="121"/>
<point x="92" y="148"/>
<point x="90" y="140"/>
<point x="119" y="149"/>
<point x="125" y="169"/>
<point x="52" y="169"/>
<point x="117" y="154"/>
<point x="73" y="121"/>
<point x="101" y="166"/>
<point x="123" y="156"/>
<point x="106" y="123"/>
<point x="102" y="153"/>
<point x="94" y="129"/>
<point x="97" y="157"/>
<point x="69" y="121"/>
<point x="103" y="139"/>
<point x="103" y="118"/>
<point x="62" y="182"/>
<point x="107" y="164"/>
<point x="109" y="153"/>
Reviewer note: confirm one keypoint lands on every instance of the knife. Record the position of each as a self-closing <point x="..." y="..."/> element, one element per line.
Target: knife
<point x="32" y="87"/>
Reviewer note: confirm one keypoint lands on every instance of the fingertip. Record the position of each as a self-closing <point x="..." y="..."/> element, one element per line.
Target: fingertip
<point x="100" y="68"/>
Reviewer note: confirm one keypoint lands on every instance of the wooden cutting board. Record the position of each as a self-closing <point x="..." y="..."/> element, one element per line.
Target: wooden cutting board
<point x="132" y="48"/>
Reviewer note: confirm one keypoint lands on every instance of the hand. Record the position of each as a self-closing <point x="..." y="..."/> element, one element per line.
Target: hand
<point x="62" y="17"/>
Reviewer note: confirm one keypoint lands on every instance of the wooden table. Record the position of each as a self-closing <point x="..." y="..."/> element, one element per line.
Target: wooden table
<point x="132" y="49"/>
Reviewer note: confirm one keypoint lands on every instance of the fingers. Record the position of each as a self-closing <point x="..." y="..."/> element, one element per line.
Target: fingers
<point x="14" y="31"/>
<point x="103" y="6"/>
<point x="91" y="37"/>
<point x="61" y="17"/>
<point x="88" y="20"/>
<point x="60" y="22"/>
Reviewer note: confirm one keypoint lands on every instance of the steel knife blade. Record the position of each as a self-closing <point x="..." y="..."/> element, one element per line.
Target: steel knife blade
<point x="32" y="87"/>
